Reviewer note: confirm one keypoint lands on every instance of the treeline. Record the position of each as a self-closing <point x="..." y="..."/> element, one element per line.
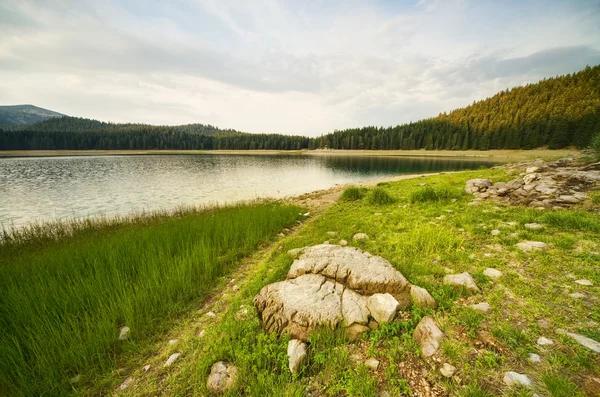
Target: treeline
<point x="555" y="113"/>
<point x="72" y="133"/>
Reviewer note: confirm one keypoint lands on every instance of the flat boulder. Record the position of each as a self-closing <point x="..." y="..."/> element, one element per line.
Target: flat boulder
<point x="584" y="341"/>
<point x="461" y="280"/>
<point x="360" y="271"/>
<point x="527" y="246"/>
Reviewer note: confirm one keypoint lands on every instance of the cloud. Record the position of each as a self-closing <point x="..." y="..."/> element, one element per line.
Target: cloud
<point x="280" y="65"/>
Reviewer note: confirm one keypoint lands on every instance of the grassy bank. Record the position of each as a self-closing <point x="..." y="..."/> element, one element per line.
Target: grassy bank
<point x="66" y="289"/>
<point x="425" y="228"/>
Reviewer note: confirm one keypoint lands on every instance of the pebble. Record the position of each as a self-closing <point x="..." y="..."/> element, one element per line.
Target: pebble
<point x="173" y="341"/>
<point x="533" y="226"/>
<point x="202" y="333"/>
<point x="516" y="379"/>
<point x="577" y="295"/>
<point x="447" y="370"/>
<point x="482" y="307"/>
<point x="360" y="236"/>
<point x="534" y="358"/>
<point x="75" y="379"/>
<point x="147" y="368"/>
<point x="544" y="341"/>
<point x="587" y="283"/>
<point x="126" y="383"/>
<point x="124" y="333"/>
<point x="372" y="364"/>
<point x="343" y="243"/>
<point x="235" y="288"/>
<point x="211" y="314"/>
<point x="492" y="273"/>
<point x="532" y="246"/>
<point x="495" y="232"/>
<point x="172" y="358"/>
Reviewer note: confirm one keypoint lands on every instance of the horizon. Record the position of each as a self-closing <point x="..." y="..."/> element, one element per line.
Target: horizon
<point x="283" y="68"/>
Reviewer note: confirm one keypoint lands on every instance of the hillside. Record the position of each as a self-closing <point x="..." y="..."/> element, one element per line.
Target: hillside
<point x="25" y="114"/>
<point x="555" y="112"/>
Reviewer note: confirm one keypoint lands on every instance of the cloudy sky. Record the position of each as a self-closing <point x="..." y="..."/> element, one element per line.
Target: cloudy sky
<point x="290" y="66"/>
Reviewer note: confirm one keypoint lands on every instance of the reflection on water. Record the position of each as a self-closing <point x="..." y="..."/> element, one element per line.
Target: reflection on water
<point x="38" y="189"/>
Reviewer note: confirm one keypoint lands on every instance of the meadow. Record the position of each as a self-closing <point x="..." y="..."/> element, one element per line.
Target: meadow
<point x="67" y="288"/>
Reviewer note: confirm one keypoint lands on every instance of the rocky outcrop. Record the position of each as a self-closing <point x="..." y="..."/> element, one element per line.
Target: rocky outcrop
<point x="557" y="184"/>
<point x="222" y="377"/>
<point x="330" y="286"/>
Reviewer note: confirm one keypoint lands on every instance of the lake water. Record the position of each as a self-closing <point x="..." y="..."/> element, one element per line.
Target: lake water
<point x="50" y="188"/>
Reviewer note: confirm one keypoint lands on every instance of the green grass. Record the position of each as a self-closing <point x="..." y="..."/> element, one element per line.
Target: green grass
<point x="353" y="193"/>
<point x="379" y="196"/>
<point x="435" y="194"/>
<point x="66" y="289"/>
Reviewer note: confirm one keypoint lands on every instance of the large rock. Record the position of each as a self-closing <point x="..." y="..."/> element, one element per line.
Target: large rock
<point x="420" y="297"/>
<point x="429" y="335"/>
<point x="461" y="280"/>
<point x="383" y="307"/>
<point x="297" y="355"/>
<point x="582" y="340"/>
<point x="477" y="185"/>
<point x="357" y="270"/>
<point x="299" y="305"/>
<point x="222" y="377"/>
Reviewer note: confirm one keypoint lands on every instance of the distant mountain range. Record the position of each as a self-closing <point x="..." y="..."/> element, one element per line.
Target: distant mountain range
<point x="25" y="114"/>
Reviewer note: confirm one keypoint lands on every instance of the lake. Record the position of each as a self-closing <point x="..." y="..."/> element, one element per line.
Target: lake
<point x="51" y="188"/>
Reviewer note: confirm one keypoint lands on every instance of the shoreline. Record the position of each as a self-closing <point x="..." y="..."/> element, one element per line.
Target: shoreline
<point x="471" y="154"/>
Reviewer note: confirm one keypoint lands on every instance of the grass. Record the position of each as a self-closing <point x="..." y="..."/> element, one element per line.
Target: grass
<point x="379" y="196"/>
<point x="353" y="193"/>
<point x="66" y="289"/>
<point x="432" y="194"/>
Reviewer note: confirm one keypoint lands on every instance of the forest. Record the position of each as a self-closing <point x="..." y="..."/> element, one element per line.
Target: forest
<point x="554" y="113"/>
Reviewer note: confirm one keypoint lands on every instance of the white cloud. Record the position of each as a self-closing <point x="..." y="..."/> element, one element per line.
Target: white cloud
<point x="281" y="66"/>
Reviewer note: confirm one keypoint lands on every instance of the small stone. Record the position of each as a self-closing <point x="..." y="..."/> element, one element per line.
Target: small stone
<point x="124" y="333"/>
<point x="587" y="283"/>
<point x="441" y="217"/>
<point x="307" y="214"/>
<point x="447" y="370"/>
<point x="517" y="379"/>
<point x="383" y="307"/>
<point x="582" y="340"/>
<point x="429" y="335"/>
<point x="372" y="364"/>
<point x="482" y="307"/>
<point x="332" y="233"/>
<point x="374" y="325"/>
<point x="542" y="341"/>
<point x="201" y="333"/>
<point x="343" y="243"/>
<point x="356" y="331"/>
<point x="543" y="323"/>
<point x="360" y="236"/>
<point x="534" y="358"/>
<point x="297" y="355"/>
<point x="495" y="232"/>
<point x="211" y="314"/>
<point x="512" y="223"/>
<point x="222" y="377"/>
<point x="173" y="341"/>
<point x="125" y="383"/>
<point x="242" y="313"/>
<point x="172" y="358"/>
<point x="488" y="255"/>
<point x="533" y="226"/>
<point x="532" y="246"/>
<point x="147" y="368"/>
<point x="75" y="379"/>
<point x="577" y="295"/>
<point x="421" y="298"/>
<point x="235" y="288"/>
<point x="461" y="280"/>
<point x="492" y="273"/>
<point x="281" y="234"/>
<point x="472" y="256"/>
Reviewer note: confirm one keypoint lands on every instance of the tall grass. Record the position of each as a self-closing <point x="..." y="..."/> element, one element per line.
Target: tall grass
<point x="378" y="196"/>
<point x="439" y="194"/>
<point x="65" y="290"/>
<point x="353" y="193"/>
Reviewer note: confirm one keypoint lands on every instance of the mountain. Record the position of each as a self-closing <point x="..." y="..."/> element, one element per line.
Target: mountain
<point x="25" y="114"/>
<point x="554" y="113"/>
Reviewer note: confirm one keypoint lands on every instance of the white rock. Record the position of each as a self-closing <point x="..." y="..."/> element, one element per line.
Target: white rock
<point x="447" y="370"/>
<point x="173" y="341"/>
<point x="420" y="297"/>
<point x="582" y="340"/>
<point x="124" y="333"/>
<point x="517" y="379"/>
<point x="534" y="358"/>
<point x="235" y="288"/>
<point x="531" y="170"/>
<point x="512" y="223"/>
<point x="495" y="232"/>
<point x="532" y="246"/>
<point x="530" y="178"/>
<point x="429" y="335"/>
<point x="533" y="226"/>
<point x="378" y="214"/>
<point x="587" y="283"/>
<point x="172" y="358"/>
<point x="360" y="236"/>
<point x="147" y="368"/>
<point x="577" y="295"/>
<point x="125" y="384"/>
<point x="307" y="214"/>
<point x="211" y="314"/>
<point x="383" y="307"/>
<point x="201" y="333"/>
<point x="297" y="355"/>
<point x="492" y="273"/>
<point x="482" y="307"/>
<point x="332" y="233"/>
<point x="222" y="377"/>
<point x="542" y="341"/>
<point x="75" y="379"/>
<point x="461" y="280"/>
<point x="372" y="364"/>
<point x="343" y="243"/>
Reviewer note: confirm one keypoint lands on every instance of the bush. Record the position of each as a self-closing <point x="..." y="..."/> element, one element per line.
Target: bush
<point x="353" y="193"/>
<point x="435" y="194"/>
<point x="378" y="196"/>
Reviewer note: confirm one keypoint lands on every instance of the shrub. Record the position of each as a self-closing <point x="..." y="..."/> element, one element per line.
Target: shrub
<point x="353" y="193"/>
<point x="378" y="196"/>
<point x="435" y="194"/>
